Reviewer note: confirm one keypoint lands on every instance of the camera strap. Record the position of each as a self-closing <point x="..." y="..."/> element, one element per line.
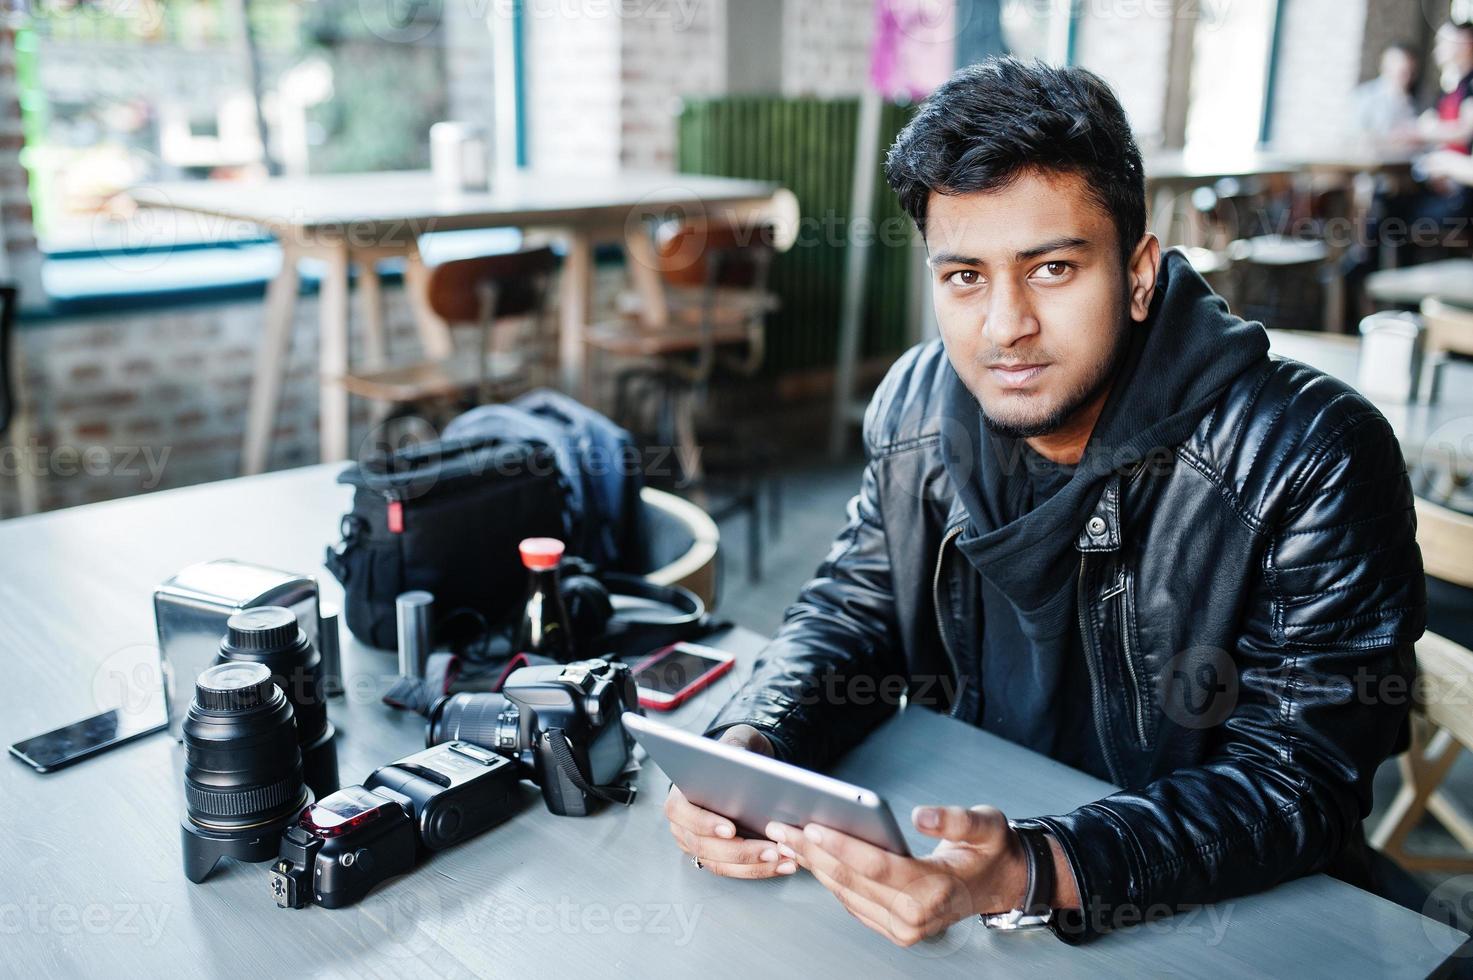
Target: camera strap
<point x="562" y="753"/>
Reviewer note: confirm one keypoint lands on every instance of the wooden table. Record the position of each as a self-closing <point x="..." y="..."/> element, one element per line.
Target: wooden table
<point x="93" y="881"/>
<point x="1450" y="280"/>
<point x="354" y="220"/>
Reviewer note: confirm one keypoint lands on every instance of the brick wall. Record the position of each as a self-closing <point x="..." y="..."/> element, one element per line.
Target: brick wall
<point x="20" y="261"/>
<point x="826" y="47"/>
<point x="134" y="402"/>
<point x="572" y="76"/>
<point x="603" y="88"/>
<point x="677" y="50"/>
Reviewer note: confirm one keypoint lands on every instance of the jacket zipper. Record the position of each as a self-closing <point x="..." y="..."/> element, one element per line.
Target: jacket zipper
<point x="1090" y="652"/>
<point x="940" y="623"/>
<point x="1122" y="614"/>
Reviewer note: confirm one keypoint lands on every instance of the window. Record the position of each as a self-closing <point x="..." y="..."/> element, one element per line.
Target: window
<point x="117" y="93"/>
<point x="1230" y="52"/>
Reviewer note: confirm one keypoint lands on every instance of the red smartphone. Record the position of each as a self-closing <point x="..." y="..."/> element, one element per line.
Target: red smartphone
<point x="668" y="677"/>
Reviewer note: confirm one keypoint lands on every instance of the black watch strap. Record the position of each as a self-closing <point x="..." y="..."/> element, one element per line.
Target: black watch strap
<point x="1034" y="912"/>
<point x="1040" y="894"/>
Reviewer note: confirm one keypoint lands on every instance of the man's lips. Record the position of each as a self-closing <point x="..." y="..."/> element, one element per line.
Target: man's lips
<point x="1015" y="375"/>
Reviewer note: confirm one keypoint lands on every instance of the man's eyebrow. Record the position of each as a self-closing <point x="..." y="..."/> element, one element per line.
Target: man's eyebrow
<point x="1057" y="245"/>
<point x="1033" y="252"/>
<point x="952" y="258"/>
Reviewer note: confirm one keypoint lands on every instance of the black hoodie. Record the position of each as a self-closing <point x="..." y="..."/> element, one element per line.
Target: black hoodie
<point x="1177" y="362"/>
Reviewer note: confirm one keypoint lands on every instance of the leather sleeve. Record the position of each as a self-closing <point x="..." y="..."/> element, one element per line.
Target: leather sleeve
<point x="1324" y="667"/>
<point x="821" y="685"/>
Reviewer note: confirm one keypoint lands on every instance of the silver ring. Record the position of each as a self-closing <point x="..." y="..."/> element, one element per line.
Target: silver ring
<point x="696" y="863"/>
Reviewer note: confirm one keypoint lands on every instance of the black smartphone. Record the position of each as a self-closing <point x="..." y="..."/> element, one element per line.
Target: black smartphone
<point x="72" y="743"/>
<point x="131" y="678"/>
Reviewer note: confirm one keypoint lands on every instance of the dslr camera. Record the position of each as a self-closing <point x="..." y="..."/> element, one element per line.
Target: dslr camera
<point x="559" y="723"/>
<point x="346" y="843"/>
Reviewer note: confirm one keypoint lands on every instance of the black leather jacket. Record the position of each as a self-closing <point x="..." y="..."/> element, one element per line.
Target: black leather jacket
<point x="1247" y="606"/>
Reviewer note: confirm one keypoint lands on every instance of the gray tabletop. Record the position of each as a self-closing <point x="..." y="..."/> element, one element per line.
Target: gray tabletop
<point x="92" y="881"/>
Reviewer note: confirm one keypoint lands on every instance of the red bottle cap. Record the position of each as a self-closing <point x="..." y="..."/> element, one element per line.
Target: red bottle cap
<point x="541" y="553"/>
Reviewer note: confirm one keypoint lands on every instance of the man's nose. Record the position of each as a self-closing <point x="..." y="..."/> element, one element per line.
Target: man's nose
<point x="1010" y="315"/>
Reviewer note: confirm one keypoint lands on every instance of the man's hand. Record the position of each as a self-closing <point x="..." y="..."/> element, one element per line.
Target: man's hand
<point x="979" y="867"/>
<point x="711" y="838"/>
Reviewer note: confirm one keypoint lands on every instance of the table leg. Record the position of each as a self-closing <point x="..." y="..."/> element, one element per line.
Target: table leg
<point x="576" y="306"/>
<point x="281" y="304"/>
<point x="434" y="335"/>
<point x="370" y="296"/>
<point x="333" y="348"/>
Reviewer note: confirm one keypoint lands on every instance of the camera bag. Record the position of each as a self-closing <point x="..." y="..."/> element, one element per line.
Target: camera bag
<point x="446" y="517"/>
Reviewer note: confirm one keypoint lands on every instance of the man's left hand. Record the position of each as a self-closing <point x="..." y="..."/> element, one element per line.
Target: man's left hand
<point x="979" y="867"/>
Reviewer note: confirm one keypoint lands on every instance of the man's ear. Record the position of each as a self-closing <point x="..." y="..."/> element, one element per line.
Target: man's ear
<point x="1141" y="276"/>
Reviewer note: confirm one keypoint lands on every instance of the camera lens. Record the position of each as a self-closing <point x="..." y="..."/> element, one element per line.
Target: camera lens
<point x="270" y="635"/>
<point x="243" y="768"/>
<point x="487" y="720"/>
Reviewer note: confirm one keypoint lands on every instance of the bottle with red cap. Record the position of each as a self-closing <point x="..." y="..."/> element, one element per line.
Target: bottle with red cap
<point x="545" y="629"/>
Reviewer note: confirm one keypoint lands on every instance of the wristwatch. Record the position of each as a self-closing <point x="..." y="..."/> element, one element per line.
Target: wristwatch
<point x="1035" y="912"/>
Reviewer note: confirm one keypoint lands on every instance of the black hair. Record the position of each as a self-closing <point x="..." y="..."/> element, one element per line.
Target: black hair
<point x="996" y="120"/>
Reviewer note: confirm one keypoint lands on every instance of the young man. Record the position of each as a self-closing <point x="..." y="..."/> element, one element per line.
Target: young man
<point x="1098" y="520"/>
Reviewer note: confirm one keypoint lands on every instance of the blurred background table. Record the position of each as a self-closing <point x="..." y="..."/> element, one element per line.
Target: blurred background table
<point x="351" y="221"/>
<point x="1436" y="437"/>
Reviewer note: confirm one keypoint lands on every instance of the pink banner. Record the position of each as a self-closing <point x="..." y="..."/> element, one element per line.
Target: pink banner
<point x="914" y="47"/>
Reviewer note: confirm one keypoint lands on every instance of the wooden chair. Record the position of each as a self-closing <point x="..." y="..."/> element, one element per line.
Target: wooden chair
<point x="1449" y="328"/>
<point x="484" y="293"/>
<point x="713" y="300"/>
<point x="684" y="542"/>
<point x="1442" y="719"/>
<point x="707" y="309"/>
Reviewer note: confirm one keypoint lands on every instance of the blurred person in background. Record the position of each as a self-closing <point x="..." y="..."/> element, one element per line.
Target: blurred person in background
<point x="1385" y="106"/>
<point x="1424" y="220"/>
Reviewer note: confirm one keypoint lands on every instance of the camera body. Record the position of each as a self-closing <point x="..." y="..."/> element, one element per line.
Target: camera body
<point x="348" y="842"/>
<point x="560" y="722"/>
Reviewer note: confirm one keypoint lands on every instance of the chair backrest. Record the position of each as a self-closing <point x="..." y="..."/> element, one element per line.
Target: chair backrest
<point x="1446" y="539"/>
<point x="7" y="361"/>
<point x="1448" y="327"/>
<point x="1444" y="678"/>
<point x="724" y="254"/>
<point x="519" y="281"/>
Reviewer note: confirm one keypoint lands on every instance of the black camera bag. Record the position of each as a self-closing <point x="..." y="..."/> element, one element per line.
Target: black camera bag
<point x="445" y="517"/>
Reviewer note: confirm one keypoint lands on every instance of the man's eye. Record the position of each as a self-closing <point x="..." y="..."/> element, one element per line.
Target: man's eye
<point x="1053" y="270"/>
<point x="964" y="277"/>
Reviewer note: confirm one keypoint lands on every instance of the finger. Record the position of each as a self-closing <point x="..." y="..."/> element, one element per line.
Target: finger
<point x="978" y="825"/>
<point x="813" y="857"/>
<point x="872" y="914"/>
<point x="864" y="858"/>
<point x="778" y="870"/>
<point x="738" y="851"/>
<point x="679" y="810"/>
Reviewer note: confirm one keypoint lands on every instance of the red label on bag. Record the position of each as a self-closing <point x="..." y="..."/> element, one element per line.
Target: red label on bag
<point x="396" y="517"/>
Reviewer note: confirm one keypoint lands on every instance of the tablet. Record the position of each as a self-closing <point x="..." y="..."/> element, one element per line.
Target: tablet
<point x="751" y="789"/>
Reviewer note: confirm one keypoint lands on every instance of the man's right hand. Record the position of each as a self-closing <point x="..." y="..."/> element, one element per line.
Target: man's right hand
<point x="711" y="838"/>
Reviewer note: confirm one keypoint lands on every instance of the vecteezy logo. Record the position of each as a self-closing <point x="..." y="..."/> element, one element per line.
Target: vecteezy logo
<point x="401" y="21"/>
<point x="1199" y="687"/>
<point x="134" y="239"/>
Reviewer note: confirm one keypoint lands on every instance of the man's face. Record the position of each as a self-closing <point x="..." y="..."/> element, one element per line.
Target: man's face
<point x="1032" y="298"/>
<point x="1453" y="49"/>
<point x="1398" y="68"/>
